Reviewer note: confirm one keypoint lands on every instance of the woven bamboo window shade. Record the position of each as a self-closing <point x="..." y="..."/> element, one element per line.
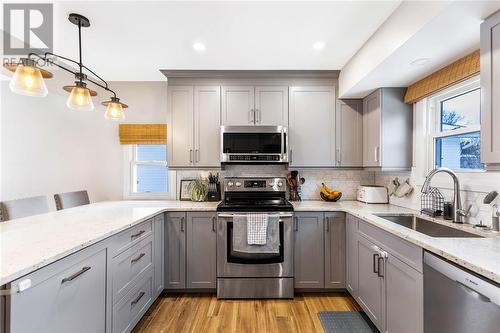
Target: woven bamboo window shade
<point x="143" y="134"/>
<point x="460" y="70"/>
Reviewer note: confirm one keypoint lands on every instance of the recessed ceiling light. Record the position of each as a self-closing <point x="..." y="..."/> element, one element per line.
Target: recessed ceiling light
<point x="199" y="47"/>
<point x="319" y="45"/>
<point x="419" y="62"/>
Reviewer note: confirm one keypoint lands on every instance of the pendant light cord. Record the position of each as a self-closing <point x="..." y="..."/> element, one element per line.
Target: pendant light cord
<point x="80" y="48"/>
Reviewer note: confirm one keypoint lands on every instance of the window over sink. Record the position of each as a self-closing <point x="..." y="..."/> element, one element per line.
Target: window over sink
<point x="455" y="127"/>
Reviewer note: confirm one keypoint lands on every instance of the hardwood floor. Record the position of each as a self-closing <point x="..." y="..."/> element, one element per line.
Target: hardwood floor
<point x="204" y="313"/>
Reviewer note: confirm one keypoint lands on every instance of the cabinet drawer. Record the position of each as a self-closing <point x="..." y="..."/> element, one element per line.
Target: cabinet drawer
<point x="401" y="249"/>
<point x="131" y="236"/>
<point x="128" y="266"/>
<point x="67" y="296"/>
<point x="129" y="310"/>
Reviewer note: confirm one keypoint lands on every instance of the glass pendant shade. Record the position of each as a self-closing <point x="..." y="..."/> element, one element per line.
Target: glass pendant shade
<point x="114" y="111"/>
<point x="28" y="80"/>
<point x="80" y="99"/>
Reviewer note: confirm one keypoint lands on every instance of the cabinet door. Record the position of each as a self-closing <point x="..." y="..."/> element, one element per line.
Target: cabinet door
<point x="271" y="105"/>
<point x="371" y="290"/>
<point x="309" y="246"/>
<point x="180" y="128"/>
<point x="371" y="129"/>
<point x="490" y="101"/>
<point x="201" y="250"/>
<point x="335" y="250"/>
<point x="158" y="251"/>
<point x="352" y="255"/>
<point x="238" y="105"/>
<point x="312" y="124"/>
<point x="349" y="130"/>
<point x="67" y="296"/>
<point x="207" y="126"/>
<point x="404" y="297"/>
<point x="175" y="251"/>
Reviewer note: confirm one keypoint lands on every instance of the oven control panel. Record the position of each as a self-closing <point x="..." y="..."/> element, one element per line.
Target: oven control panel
<point x="255" y="184"/>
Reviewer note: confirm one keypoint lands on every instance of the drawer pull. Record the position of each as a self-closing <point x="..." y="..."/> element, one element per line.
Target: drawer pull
<point x="376" y="265"/>
<point x="139" y="257"/>
<point x="77" y="274"/>
<point x="138" y="298"/>
<point x="137" y="234"/>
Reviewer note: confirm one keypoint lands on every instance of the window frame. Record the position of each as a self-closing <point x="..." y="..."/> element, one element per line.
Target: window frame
<point x="131" y="162"/>
<point x="434" y="117"/>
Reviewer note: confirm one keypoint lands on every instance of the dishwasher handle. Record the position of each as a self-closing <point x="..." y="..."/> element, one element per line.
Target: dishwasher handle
<point x="486" y="290"/>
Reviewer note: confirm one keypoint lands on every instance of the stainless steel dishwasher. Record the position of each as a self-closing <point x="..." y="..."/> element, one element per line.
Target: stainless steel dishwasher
<point x="456" y="300"/>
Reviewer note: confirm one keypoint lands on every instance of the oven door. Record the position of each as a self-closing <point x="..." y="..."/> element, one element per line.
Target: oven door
<point x="238" y="264"/>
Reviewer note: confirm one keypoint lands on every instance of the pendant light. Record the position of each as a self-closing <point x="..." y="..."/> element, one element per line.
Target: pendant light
<point x="80" y="97"/>
<point x="114" y="109"/>
<point x="28" y="79"/>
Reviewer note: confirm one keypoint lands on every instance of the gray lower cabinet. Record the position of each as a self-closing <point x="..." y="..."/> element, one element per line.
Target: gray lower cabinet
<point x="309" y="250"/>
<point x="335" y="253"/>
<point x="384" y="275"/>
<point x="66" y="296"/>
<point x="404" y="297"/>
<point x="201" y="250"/>
<point x="158" y="252"/>
<point x="352" y="255"/>
<point x="175" y="250"/>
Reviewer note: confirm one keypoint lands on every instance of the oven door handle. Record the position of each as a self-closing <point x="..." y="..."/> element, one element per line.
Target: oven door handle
<point x="233" y="215"/>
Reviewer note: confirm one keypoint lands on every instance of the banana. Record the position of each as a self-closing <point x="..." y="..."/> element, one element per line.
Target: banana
<point x="329" y="194"/>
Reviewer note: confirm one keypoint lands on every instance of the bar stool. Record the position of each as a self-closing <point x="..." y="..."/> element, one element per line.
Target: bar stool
<point x="71" y="199"/>
<point x="15" y="209"/>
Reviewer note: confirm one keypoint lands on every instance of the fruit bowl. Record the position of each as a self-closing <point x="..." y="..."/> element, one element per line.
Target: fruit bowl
<point x="325" y="198"/>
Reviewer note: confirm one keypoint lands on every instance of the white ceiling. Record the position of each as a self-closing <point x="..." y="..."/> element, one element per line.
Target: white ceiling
<point x="447" y="35"/>
<point x="133" y="40"/>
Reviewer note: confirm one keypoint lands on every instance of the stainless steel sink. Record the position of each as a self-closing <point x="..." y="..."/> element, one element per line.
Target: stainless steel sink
<point x="427" y="227"/>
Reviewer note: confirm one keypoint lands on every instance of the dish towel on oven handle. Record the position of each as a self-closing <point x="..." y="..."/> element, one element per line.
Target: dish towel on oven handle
<point x="257" y="229"/>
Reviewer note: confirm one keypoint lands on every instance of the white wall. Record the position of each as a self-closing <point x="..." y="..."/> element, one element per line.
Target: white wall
<point x="46" y="149"/>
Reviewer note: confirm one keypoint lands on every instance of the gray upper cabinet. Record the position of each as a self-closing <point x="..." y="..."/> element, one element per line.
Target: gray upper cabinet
<point x="335" y="254"/>
<point x="404" y="297"/>
<point x="309" y="250"/>
<point x="312" y="124"/>
<point x="352" y="255"/>
<point x="206" y="126"/>
<point x="371" y="286"/>
<point x="194" y="126"/>
<point x="201" y="250"/>
<point x="238" y="105"/>
<point x="387" y="130"/>
<point x="66" y="296"/>
<point x="175" y="251"/>
<point x="260" y="106"/>
<point x="158" y="252"/>
<point x="180" y="127"/>
<point x="490" y="100"/>
<point x="349" y="133"/>
<point x="271" y="105"/>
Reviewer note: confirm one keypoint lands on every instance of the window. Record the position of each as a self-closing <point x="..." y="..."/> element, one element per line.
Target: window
<point x="149" y="169"/>
<point x="456" y="127"/>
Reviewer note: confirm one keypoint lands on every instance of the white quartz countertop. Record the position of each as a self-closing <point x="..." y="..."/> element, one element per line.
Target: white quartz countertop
<point x="481" y="255"/>
<point x="30" y="243"/>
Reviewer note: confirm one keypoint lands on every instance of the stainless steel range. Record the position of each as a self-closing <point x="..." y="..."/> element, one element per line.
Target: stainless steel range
<point x="254" y="275"/>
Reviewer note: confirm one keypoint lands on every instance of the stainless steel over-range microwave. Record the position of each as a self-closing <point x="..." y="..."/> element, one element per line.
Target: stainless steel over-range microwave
<point x="254" y="144"/>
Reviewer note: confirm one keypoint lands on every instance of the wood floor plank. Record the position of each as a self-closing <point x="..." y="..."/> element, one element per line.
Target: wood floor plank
<point x="206" y="314"/>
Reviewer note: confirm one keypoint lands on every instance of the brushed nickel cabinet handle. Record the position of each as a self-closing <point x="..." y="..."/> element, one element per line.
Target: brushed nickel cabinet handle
<point x="291" y="154"/>
<point x="257" y="115"/>
<point x="197" y="156"/>
<point x="137" y="234"/>
<point x="139" y="257"/>
<point x="182" y="224"/>
<point x="380" y="267"/>
<point x="327" y="221"/>
<point x="213" y="223"/>
<point x="77" y="274"/>
<point x="375" y="263"/>
<point x="138" y="298"/>
<point x="296" y="219"/>
<point x="251" y="116"/>
<point x="190" y="156"/>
